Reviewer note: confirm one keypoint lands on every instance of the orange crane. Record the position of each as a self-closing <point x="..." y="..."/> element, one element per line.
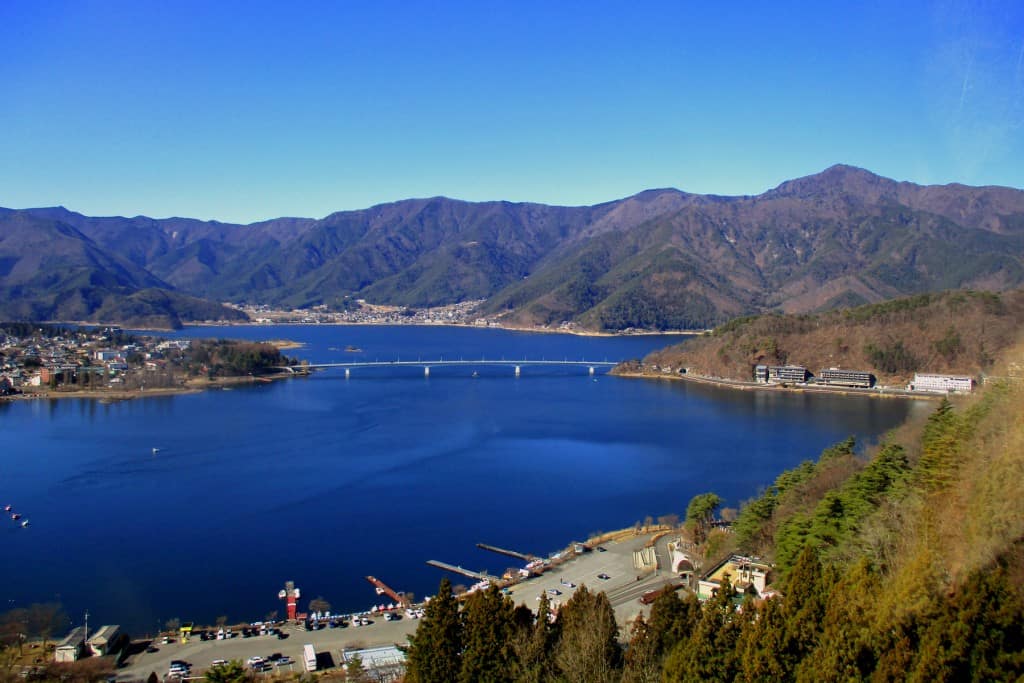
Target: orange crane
<point x="384" y="589"/>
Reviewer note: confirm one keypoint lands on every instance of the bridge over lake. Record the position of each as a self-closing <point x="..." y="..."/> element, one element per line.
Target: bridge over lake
<point x="516" y="365"/>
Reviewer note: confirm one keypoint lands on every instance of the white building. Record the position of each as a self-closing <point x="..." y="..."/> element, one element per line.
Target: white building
<point x="743" y="572"/>
<point x="72" y="647"/>
<point x="385" y="663"/>
<point x="101" y="642"/>
<point x="941" y="383"/>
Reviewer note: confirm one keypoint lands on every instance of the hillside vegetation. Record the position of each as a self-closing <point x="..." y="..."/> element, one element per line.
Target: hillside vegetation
<point x="958" y="332"/>
<point x="903" y="563"/>
<point x="661" y="259"/>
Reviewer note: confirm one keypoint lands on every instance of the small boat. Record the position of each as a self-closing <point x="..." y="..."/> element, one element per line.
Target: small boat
<point x="155" y="451"/>
<point x="24" y="524"/>
<point x="16" y="516"/>
<point x="475" y="374"/>
<point x="7" y="508"/>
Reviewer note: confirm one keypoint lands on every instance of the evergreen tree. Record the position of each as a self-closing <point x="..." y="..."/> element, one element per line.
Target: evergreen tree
<point x="588" y="650"/>
<point x="642" y="662"/>
<point x="700" y="513"/>
<point x="487" y="638"/>
<point x="535" y="646"/>
<point x="977" y="633"/>
<point x="672" y="620"/>
<point x="232" y="672"/>
<point x="844" y="649"/>
<point x="709" y="654"/>
<point x="435" y="650"/>
<point x="803" y="608"/>
<point x="939" y="445"/>
<point x="763" y="645"/>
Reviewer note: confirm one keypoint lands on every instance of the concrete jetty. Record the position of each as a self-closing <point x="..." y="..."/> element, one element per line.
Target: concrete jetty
<point x="479" y="576"/>
<point x="526" y="557"/>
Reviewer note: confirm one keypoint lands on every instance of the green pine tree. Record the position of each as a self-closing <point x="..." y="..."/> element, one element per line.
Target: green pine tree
<point x="535" y="646"/>
<point x="487" y="630"/>
<point x="435" y="650"/>
<point x="588" y="649"/>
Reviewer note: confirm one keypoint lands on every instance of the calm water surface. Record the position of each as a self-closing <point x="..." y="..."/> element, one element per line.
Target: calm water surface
<point x="323" y="481"/>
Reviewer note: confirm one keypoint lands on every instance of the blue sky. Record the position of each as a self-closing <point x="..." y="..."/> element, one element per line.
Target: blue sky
<point x="251" y="110"/>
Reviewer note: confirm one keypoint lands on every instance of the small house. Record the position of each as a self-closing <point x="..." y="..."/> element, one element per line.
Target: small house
<point x="72" y="647"/>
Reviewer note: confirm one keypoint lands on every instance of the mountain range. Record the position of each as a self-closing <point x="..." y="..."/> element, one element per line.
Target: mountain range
<point x="661" y="259"/>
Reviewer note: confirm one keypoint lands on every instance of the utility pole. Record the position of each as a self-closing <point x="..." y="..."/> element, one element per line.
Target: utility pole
<point x="86" y="625"/>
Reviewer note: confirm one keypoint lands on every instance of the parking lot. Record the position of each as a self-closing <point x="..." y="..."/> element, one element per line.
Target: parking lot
<point x="624" y="585"/>
<point x="328" y="643"/>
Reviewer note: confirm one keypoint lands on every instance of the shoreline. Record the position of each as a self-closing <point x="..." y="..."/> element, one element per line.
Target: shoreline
<point x="739" y="385"/>
<point x="509" y="328"/>
<point x="193" y="386"/>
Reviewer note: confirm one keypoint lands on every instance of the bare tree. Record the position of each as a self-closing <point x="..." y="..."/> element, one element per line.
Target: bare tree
<point x="318" y="604"/>
<point x="671" y="520"/>
<point x="45" y="619"/>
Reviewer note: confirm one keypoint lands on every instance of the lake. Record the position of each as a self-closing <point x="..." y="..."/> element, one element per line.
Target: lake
<point x="324" y="480"/>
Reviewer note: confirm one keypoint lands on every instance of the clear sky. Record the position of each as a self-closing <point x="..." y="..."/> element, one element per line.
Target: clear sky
<point x="251" y="110"/>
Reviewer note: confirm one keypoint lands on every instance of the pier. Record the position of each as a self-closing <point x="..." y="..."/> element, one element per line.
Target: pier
<point x="479" y="576"/>
<point x="526" y="557"/>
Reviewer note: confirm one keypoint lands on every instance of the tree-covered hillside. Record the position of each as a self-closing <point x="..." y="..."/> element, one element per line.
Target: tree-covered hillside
<point x="902" y="563"/>
<point x="960" y="332"/>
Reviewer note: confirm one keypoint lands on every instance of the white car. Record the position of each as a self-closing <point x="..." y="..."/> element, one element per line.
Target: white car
<point x="218" y="662"/>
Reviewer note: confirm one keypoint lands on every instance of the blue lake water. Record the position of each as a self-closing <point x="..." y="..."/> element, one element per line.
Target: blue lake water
<point x="325" y="480"/>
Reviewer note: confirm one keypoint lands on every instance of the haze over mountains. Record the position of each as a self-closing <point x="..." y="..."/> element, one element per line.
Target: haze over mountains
<point x="661" y="259"/>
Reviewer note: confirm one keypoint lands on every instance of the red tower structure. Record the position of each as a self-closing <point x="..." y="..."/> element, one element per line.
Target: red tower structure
<point x="290" y="595"/>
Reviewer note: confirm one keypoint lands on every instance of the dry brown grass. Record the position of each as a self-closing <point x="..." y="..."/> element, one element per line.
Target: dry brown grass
<point x="930" y="543"/>
<point x="984" y="324"/>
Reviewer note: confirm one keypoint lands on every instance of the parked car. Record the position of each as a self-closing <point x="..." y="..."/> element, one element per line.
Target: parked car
<point x="603" y="576"/>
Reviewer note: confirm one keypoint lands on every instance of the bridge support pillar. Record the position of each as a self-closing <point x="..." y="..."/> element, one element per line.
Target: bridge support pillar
<point x="426" y="371"/>
<point x="591" y="369"/>
<point x="517" y="371"/>
<point x="348" y="371"/>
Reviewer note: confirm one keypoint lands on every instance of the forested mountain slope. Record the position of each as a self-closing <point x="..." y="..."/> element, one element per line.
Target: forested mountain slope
<point x="657" y="260"/>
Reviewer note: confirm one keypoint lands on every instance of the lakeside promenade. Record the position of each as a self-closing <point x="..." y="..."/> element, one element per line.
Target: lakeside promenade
<point x="875" y="392"/>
